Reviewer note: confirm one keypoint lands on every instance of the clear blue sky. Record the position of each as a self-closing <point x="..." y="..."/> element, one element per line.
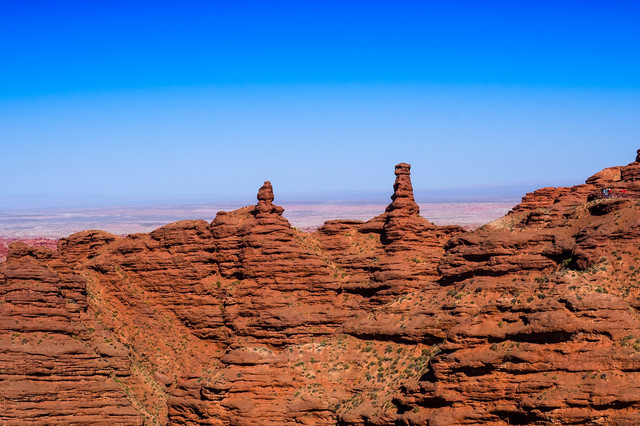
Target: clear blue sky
<point x="182" y="100"/>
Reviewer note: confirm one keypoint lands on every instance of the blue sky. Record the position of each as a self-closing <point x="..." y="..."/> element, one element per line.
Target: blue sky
<point x="109" y="102"/>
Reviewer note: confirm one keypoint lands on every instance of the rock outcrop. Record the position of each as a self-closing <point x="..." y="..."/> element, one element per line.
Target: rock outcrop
<point x="36" y="242"/>
<point x="531" y="319"/>
<point x="57" y="366"/>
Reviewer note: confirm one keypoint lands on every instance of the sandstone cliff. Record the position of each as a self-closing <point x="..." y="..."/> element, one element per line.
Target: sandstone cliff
<point x="531" y="319"/>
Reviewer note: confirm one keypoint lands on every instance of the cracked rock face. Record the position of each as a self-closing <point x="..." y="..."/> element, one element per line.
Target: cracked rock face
<point x="532" y="318"/>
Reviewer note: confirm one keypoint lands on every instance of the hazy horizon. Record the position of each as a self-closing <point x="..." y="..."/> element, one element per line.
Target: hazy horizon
<point x="507" y="192"/>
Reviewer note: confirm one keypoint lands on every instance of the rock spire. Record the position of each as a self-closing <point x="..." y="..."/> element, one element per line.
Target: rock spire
<point x="265" y="204"/>
<point x="265" y="194"/>
<point x="402" y="200"/>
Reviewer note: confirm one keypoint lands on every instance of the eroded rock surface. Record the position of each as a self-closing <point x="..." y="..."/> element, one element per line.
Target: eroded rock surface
<point x="531" y="319"/>
<point x="38" y="242"/>
<point x="55" y="366"/>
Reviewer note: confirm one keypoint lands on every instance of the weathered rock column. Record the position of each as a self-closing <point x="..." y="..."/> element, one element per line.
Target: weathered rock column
<point x="402" y="201"/>
<point x="265" y="206"/>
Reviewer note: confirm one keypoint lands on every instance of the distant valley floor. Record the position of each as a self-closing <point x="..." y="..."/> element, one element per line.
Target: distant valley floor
<point x="308" y="216"/>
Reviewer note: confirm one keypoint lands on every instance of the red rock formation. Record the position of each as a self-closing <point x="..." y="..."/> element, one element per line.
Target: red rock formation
<point x="622" y="181"/>
<point x="55" y="366"/>
<point x="532" y="318"/>
<point x="36" y="242"/>
<point x="542" y="320"/>
<point x="401" y="248"/>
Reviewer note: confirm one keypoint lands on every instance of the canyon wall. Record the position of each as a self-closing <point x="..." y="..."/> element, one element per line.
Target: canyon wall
<point x="530" y="319"/>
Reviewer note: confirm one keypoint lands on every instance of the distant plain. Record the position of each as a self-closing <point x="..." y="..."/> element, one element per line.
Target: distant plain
<point x="307" y="216"/>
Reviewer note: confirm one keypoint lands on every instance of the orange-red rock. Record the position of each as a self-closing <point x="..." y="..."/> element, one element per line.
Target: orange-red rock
<point x="532" y="318"/>
<point x="38" y="242"/>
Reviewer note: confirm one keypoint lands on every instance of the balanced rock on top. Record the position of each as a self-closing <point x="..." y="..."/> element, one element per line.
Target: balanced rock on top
<point x="265" y="206"/>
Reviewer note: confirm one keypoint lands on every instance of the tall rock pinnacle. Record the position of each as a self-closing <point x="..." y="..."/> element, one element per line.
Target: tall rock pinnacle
<point x="265" y="194"/>
<point x="402" y="200"/>
<point x="638" y="156"/>
<point x="265" y="204"/>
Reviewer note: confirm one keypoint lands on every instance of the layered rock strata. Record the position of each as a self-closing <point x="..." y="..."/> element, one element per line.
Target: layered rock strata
<point x="56" y="367"/>
<point x="531" y="319"/>
<point x="37" y="242"/>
